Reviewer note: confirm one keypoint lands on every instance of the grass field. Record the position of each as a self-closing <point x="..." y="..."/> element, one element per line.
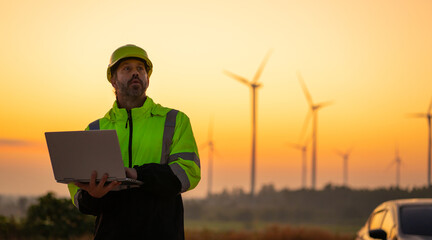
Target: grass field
<point x="239" y="226"/>
<point x="263" y="232"/>
<point x="215" y="230"/>
<point x="239" y="231"/>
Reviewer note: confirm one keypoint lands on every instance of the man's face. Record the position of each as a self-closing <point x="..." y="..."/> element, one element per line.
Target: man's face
<point x="130" y="78"/>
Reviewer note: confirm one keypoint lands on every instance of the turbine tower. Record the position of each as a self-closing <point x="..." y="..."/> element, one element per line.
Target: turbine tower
<point x="428" y="116"/>
<point x="211" y="151"/>
<point x="345" y="156"/>
<point x="254" y="85"/>
<point x="398" y="163"/>
<point x="303" y="149"/>
<point x="314" y="112"/>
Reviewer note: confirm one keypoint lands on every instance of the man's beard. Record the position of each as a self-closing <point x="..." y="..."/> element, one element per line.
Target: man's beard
<point x="135" y="91"/>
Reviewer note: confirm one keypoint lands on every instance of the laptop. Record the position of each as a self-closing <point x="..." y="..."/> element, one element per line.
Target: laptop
<point x="76" y="154"/>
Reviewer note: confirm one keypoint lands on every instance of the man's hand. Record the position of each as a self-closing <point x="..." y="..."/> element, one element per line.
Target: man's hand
<point x="98" y="190"/>
<point x="131" y="173"/>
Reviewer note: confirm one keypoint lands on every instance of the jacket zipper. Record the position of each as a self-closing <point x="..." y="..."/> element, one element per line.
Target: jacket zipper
<point x="130" y="135"/>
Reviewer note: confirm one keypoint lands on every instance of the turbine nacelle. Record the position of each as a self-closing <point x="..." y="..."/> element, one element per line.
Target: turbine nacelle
<point x="256" y="85"/>
<point x="427" y="115"/>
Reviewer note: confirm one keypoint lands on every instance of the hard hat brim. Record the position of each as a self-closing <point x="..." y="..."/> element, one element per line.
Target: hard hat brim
<point x="129" y="51"/>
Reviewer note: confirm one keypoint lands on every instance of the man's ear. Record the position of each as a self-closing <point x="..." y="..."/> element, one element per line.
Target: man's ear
<point x="114" y="82"/>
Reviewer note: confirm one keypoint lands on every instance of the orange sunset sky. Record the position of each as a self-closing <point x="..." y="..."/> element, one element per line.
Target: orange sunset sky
<point x="372" y="58"/>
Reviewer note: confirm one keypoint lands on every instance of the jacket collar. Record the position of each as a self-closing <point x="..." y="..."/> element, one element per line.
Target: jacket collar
<point x="148" y="109"/>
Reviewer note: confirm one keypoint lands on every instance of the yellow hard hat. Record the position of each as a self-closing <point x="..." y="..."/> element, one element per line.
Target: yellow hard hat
<point x="129" y="51"/>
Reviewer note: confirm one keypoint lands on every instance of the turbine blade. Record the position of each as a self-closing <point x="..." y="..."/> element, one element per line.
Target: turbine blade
<point x="397" y="151"/>
<point x="305" y="90"/>
<point x="390" y="165"/>
<point x="237" y="77"/>
<point x="340" y="153"/>
<point x="324" y="104"/>
<point x="305" y="125"/>
<point x="307" y="141"/>
<point x="430" y="107"/>
<point x="210" y="130"/>
<point x="203" y="146"/>
<point x="261" y="68"/>
<point x="295" y="145"/>
<point x="350" y="150"/>
<point x="217" y="153"/>
<point x="397" y="156"/>
<point x="416" y="115"/>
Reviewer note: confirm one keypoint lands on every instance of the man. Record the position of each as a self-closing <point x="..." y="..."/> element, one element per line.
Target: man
<point x="158" y="148"/>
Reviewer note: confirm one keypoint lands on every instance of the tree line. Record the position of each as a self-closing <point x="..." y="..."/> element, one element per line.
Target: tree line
<point x="332" y="205"/>
<point x="49" y="217"/>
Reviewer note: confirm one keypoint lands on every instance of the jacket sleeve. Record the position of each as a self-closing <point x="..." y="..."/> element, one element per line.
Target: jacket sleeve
<point x="182" y="171"/>
<point x="83" y="201"/>
<point x="158" y="179"/>
<point x="183" y="158"/>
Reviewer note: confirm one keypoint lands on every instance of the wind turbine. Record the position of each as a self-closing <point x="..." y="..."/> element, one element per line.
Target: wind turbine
<point x="428" y="116"/>
<point x="398" y="163"/>
<point x="254" y="85"/>
<point x="210" y="145"/>
<point x="303" y="149"/>
<point x="314" y="112"/>
<point x="345" y="156"/>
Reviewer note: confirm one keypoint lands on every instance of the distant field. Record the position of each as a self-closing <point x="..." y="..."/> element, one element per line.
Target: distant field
<point x="239" y="231"/>
<point x="259" y="226"/>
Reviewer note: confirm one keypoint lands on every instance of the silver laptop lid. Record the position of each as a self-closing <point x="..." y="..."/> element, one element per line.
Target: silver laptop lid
<point x="76" y="154"/>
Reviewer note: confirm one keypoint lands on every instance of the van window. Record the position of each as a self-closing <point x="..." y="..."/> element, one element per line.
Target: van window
<point x="416" y="220"/>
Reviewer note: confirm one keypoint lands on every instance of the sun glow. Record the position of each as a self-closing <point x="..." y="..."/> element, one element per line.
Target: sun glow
<point x="371" y="59"/>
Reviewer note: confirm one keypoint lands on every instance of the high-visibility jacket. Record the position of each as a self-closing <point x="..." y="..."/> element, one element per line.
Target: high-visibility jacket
<point x="159" y="143"/>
